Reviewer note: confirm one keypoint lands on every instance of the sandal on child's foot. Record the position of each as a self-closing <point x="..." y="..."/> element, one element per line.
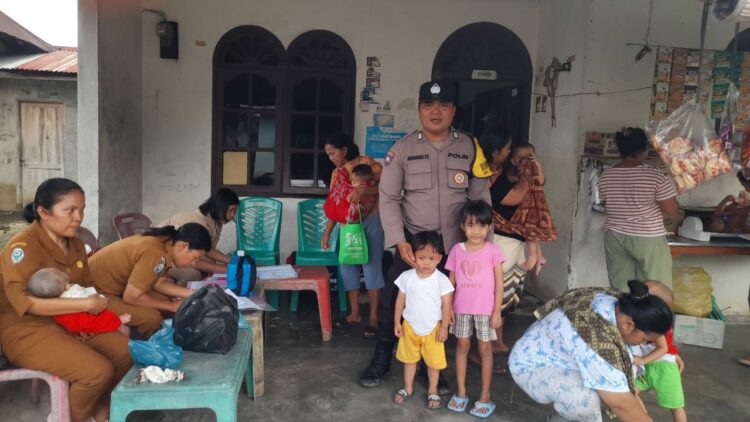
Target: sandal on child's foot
<point x="434" y="402"/>
<point x="402" y="396"/>
<point x="458" y="404"/>
<point x="482" y="410"/>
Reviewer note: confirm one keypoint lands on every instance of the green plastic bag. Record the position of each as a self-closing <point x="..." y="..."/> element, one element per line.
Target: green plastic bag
<point x="353" y="243"/>
<point x="692" y="291"/>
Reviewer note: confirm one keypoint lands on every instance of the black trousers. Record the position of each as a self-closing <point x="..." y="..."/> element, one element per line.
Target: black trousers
<point x="387" y="305"/>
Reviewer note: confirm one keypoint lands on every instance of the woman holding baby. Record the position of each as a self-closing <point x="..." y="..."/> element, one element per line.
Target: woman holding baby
<point x="353" y="191"/>
<point x="93" y="364"/>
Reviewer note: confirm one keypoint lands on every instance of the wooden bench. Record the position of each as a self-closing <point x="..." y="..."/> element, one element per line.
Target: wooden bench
<point x="212" y="381"/>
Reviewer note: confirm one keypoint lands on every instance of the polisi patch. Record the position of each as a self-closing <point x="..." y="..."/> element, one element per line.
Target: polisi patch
<point x="17" y="255"/>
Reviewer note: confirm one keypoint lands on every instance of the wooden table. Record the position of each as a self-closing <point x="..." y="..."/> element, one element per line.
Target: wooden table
<point x="680" y="246"/>
<point x="308" y="278"/>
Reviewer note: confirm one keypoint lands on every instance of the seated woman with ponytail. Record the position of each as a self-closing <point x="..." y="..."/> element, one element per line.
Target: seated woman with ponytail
<point x="212" y="214"/>
<point x="131" y="272"/>
<point x="577" y="354"/>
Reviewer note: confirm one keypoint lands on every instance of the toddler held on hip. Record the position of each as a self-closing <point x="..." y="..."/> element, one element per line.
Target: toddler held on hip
<point x="476" y="271"/>
<point x="532" y="219"/>
<point x="424" y="301"/>
<point x="51" y="283"/>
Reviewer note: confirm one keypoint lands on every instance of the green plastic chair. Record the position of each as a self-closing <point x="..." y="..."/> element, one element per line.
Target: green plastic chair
<point x="311" y="223"/>
<point x="258" y="231"/>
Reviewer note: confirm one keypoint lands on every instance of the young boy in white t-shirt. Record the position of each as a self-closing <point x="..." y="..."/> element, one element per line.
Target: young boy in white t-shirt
<point x="424" y="300"/>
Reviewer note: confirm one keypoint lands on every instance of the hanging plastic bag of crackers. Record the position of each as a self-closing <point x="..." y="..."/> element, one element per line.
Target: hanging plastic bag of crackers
<point x="689" y="147"/>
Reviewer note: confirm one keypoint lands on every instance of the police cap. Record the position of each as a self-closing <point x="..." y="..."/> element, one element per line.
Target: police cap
<point x="437" y="91"/>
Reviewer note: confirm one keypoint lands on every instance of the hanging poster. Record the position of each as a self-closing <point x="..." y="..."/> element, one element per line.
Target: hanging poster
<point x="379" y="140"/>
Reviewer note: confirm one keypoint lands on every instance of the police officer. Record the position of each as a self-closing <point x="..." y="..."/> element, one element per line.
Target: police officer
<point x="427" y="177"/>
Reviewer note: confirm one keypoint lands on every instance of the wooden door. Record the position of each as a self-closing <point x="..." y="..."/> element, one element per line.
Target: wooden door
<point x="42" y="131"/>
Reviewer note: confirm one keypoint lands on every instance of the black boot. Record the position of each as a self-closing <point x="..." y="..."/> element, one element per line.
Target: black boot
<point x="380" y="365"/>
<point x="444" y="389"/>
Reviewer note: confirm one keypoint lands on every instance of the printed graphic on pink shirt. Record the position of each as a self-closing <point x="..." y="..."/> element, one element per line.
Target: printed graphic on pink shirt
<point x="475" y="278"/>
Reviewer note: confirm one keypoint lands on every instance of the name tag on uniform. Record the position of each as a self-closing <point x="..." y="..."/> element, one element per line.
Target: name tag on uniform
<point x="418" y="157"/>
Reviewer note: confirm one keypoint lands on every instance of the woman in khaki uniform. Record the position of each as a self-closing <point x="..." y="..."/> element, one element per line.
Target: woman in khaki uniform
<point x="216" y="211"/>
<point x="132" y="272"/>
<point x="29" y="337"/>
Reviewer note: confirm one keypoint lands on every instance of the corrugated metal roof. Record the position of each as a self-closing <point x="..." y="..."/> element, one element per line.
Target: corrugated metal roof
<point x="64" y="60"/>
<point x="12" y="28"/>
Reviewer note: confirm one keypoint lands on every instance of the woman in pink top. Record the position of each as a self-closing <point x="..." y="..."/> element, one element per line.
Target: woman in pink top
<point x="636" y="197"/>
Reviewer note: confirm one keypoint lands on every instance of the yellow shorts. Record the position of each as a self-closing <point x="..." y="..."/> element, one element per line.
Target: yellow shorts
<point x="413" y="348"/>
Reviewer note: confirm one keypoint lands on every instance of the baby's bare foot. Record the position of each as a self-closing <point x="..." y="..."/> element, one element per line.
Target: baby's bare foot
<point x="539" y="266"/>
<point x="125" y="318"/>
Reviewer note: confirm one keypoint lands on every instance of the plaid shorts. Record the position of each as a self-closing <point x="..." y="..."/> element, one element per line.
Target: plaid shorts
<point x="465" y="328"/>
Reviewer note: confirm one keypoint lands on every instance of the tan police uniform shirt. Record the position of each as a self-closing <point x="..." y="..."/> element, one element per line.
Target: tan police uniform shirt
<point x="423" y="188"/>
<point x="213" y="227"/>
<point x="137" y="260"/>
<point x="27" y="252"/>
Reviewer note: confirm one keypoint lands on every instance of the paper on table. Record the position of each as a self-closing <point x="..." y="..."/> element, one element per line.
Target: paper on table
<point x="243" y="303"/>
<point x="276" y="272"/>
<point x="250" y="304"/>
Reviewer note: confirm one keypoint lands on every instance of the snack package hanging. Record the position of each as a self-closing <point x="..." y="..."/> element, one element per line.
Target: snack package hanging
<point x="731" y="141"/>
<point x="688" y="145"/>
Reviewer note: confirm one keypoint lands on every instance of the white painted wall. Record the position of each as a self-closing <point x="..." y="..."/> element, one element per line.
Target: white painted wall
<point x="110" y="155"/>
<point x="405" y="36"/>
<point x="177" y="94"/>
<point x="608" y="65"/>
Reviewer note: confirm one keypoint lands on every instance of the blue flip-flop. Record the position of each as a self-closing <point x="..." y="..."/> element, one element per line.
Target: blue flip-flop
<point x="461" y="403"/>
<point x="478" y="406"/>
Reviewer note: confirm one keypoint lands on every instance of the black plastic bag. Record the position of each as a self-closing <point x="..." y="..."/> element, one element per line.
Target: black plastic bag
<point x="207" y="321"/>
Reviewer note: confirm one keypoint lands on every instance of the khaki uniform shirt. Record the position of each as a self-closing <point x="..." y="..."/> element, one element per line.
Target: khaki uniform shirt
<point x="213" y="227"/>
<point x="137" y="260"/>
<point x="28" y="251"/>
<point x="422" y="188"/>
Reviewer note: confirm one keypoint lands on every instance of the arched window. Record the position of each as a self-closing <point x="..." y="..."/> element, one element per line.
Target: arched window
<point x="321" y="98"/>
<point x="272" y="110"/>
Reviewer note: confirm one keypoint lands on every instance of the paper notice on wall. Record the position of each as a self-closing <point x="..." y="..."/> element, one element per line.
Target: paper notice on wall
<point x="379" y="140"/>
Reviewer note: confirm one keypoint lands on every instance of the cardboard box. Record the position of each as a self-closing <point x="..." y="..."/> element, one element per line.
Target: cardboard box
<point x="699" y="331"/>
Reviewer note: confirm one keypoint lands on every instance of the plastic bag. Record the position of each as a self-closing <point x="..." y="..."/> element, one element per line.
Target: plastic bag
<point x="731" y="141"/>
<point x="353" y="248"/>
<point x="207" y="321"/>
<point x="688" y="145"/>
<point x="692" y="291"/>
<point x="159" y="350"/>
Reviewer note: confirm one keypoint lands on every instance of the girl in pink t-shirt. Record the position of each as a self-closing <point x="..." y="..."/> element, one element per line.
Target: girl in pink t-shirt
<point x="476" y="271"/>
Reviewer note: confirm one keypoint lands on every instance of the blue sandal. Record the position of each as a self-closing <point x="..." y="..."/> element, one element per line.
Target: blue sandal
<point x="490" y="407"/>
<point x="460" y="404"/>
